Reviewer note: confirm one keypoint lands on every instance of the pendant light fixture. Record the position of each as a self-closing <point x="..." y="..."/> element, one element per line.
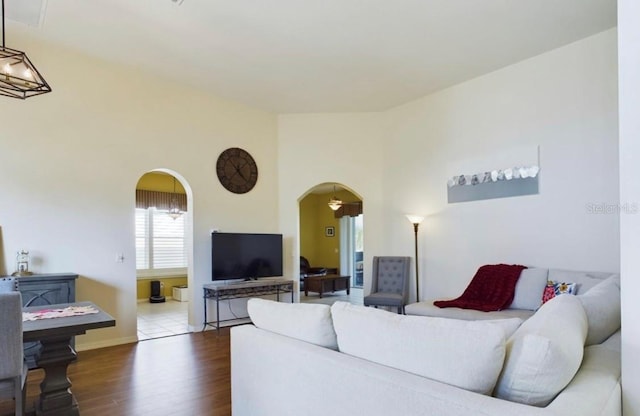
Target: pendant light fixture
<point x="334" y="203"/>
<point x="19" y="78"/>
<point x="174" y="209"/>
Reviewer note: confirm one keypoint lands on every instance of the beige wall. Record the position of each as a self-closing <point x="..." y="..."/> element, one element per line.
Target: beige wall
<point x="337" y="148"/>
<point x="70" y="161"/>
<point x="563" y="102"/>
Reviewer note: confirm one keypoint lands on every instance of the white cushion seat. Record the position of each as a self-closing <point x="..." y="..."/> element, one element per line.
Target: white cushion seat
<point x="427" y="308"/>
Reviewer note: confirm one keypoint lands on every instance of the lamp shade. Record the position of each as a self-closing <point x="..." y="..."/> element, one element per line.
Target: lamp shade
<point x="414" y="219"/>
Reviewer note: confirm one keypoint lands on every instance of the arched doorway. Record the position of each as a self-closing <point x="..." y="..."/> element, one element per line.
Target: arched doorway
<point x="163" y="239"/>
<point x="331" y="241"/>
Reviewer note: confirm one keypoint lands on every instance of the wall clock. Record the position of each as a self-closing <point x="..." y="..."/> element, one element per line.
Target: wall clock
<point x="236" y="170"/>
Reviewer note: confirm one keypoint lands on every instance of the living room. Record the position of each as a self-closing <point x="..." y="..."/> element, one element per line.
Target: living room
<point x="71" y="160"/>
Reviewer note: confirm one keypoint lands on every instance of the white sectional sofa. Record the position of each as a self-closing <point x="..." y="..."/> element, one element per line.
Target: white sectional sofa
<point x="301" y="359"/>
<point x="528" y="295"/>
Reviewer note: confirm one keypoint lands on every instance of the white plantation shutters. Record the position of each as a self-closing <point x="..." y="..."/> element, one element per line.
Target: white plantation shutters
<point x="160" y="247"/>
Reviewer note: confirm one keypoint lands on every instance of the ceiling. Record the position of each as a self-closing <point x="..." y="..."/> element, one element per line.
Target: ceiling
<point x="291" y="56"/>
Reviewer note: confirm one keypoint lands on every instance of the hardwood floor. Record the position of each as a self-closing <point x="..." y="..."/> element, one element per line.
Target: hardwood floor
<point x="181" y="375"/>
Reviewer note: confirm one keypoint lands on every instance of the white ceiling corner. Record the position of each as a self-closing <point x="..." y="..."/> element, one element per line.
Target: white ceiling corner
<point x="292" y="56"/>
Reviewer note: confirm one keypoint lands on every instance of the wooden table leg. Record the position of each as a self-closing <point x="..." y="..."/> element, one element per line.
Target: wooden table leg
<point x="56" y="398"/>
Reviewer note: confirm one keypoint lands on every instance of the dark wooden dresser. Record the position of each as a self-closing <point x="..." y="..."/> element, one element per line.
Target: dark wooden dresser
<point x="42" y="290"/>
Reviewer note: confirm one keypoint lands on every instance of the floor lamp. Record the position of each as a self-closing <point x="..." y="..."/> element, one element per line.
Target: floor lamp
<point x="416" y="220"/>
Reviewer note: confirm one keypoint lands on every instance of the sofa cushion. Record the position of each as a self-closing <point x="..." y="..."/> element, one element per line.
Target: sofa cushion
<point x="508" y="325"/>
<point x="545" y="353"/>
<point x="529" y="289"/>
<point x="304" y="321"/>
<point x="602" y="305"/>
<point x="584" y="280"/>
<point x="466" y="354"/>
<point x="427" y="308"/>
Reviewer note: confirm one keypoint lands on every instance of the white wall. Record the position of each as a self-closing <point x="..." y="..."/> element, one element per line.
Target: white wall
<point x="629" y="85"/>
<point x="564" y="102"/>
<point x="70" y="160"/>
<point x="341" y="148"/>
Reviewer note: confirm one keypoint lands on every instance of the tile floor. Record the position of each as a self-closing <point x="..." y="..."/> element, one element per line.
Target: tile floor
<point x="156" y="320"/>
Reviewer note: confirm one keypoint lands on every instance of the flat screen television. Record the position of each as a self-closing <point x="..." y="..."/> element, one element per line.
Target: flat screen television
<point x="245" y="256"/>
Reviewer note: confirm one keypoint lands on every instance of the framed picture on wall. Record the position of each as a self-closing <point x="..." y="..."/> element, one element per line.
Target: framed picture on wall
<point x="329" y="231"/>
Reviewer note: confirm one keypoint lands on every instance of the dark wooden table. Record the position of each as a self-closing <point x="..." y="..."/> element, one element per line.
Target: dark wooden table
<point x="55" y="335"/>
<point x="327" y="283"/>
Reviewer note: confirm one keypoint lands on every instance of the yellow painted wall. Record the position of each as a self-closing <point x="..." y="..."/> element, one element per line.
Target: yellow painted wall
<point x="144" y="285"/>
<point x="161" y="182"/>
<point x="308" y="228"/>
<point x="315" y="216"/>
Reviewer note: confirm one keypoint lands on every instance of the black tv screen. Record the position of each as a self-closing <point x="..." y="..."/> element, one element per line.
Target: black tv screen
<point x="245" y="256"/>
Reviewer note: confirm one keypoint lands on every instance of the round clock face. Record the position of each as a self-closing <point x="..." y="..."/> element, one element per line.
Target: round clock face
<point x="236" y="170"/>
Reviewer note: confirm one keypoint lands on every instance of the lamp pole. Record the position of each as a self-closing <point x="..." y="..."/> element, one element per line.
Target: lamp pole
<point x="416" y="220"/>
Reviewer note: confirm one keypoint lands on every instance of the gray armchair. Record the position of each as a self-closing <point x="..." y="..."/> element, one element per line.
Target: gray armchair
<point x="13" y="369"/>
<point x="390" y="282"/>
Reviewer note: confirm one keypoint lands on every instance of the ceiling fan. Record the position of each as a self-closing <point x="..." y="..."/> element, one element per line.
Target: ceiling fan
<point x="335" y="203"/>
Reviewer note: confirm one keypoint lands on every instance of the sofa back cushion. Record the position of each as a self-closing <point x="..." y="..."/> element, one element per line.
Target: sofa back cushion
<point x="304" y="321"/>
<point x="528" y="293"/>
<point x="602" y="305"/>
<point x="544" y="353"/>
<point x="466" y="354"/>
<point x="584" y="280"/>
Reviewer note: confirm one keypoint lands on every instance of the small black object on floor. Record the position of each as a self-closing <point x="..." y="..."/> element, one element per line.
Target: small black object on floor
<point x="156" y="292"/>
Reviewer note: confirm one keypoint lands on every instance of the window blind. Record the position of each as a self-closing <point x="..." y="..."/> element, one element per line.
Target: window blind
<point x="159" y="240"/>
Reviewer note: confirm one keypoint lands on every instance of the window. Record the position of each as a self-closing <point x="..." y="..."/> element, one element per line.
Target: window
<point x="160" y="245"/>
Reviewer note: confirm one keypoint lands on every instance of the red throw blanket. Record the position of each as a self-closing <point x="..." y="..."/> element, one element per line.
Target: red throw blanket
<point x="491" y="289"/>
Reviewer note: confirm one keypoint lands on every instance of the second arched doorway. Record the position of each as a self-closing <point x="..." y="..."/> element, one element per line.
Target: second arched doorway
<point x="331" y="242"/>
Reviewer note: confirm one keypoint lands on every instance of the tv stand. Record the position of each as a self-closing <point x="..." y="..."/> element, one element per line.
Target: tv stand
<point x="241" y="289"/>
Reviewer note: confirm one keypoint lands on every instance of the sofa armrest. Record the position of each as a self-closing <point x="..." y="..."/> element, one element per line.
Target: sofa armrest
<point x="277" y="375"/>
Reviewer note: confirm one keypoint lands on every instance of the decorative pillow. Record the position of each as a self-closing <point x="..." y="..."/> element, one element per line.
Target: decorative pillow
<point x="466" y="354"/>
<point x="602" y="305"/>
<point x="583" y="280"/>
<point x="529" y="289"/>
<point x="304" y="321"/>
<point x="554" y="289"/>
<point x="544" y="354"/>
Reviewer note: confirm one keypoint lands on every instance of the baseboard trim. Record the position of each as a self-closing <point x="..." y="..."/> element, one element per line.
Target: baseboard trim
<point x="104" y="344"/>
